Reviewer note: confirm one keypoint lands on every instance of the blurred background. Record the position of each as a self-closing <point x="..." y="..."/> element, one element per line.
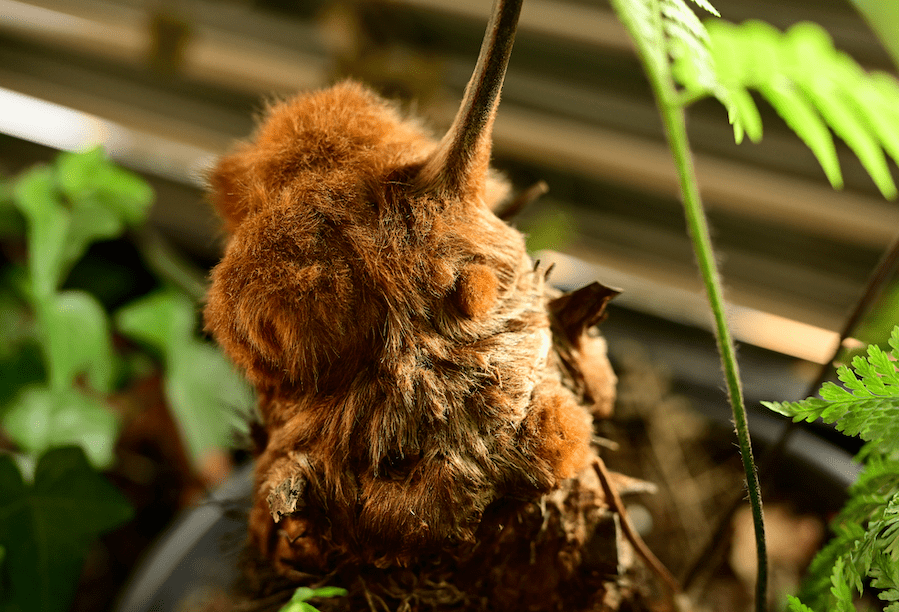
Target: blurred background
<point x="167" y="86"/>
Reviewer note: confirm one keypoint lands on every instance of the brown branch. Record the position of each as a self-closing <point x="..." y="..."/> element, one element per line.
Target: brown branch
<point x="614" y="501"/>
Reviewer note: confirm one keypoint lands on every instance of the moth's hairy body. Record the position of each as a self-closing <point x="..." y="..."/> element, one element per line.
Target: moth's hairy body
<point x="401" y="342"/>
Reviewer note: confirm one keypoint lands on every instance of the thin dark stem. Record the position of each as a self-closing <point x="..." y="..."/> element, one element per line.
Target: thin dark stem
<point x="169" y="265"/>
<point x="615" y="503"/>
<point x="467" y="143"/>
<point x="522" y="200"/>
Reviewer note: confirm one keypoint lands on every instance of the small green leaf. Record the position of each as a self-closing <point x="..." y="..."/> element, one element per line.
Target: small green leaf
<point x="298" y="603"/>
<point x="794" y="605"/>
<point x="77" y="339"/>
<point x="839" y="580"/>
<point x="40" y="418"/>
<point x="91" y="181"/>
<point x="164" y="320"/>
<point x="103" y="199"/>
<point x="202" y="387"/>
<point x="329" y="591"/>
<point x="48" y="223"/>
<point x="47" y="528"/>
<point x="78" y="172"/>
<point x="207" y="395"/>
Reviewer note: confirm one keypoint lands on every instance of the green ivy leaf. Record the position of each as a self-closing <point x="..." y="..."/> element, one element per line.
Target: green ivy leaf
<point x="48" y="225"/>
<point x="164" y="320"/>
<point x="104" y="199"/>
<point x="77" y="340"/>
<point x="47" y="527"/>
<point x="202" y="387"/>
<point x="82" y="199"/>
<point x="207" y="395"/>
<point x="89" y="179"/>
<point x="41" y="418"/>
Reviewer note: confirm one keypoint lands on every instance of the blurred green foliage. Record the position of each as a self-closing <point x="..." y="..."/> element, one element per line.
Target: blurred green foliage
<point x="300" y="600"/>
<point x="549" y="227"/>
<point x="48" y="525"/>
<point x="59" y="367"/>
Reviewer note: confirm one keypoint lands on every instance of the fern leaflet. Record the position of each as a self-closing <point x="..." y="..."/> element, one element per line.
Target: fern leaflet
<point x="868" y="406"/>
<point x="666" y="30"/>
<point x="811" y="85"/>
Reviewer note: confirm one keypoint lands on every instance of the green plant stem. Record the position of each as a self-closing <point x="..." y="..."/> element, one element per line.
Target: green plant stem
<point x="675" y="127"/>
<point x="676" y="131"/>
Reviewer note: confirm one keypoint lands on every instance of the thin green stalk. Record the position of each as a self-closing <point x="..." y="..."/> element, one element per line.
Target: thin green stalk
<point x="675" y="127"/>
<point x="658" y="70"/>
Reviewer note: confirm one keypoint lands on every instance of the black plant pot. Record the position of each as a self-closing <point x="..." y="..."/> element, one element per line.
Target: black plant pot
<point x="197" y="555"/>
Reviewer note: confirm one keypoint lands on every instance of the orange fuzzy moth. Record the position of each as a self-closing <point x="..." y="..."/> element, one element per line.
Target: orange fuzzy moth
<point x="422" y="390"/>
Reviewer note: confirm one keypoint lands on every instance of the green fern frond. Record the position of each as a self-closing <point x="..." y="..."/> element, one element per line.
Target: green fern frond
<point x="866" y="544"/>
<point x="812" y="86"/>
<point x="816" y="590"/>
<point x="674" y="42"/>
